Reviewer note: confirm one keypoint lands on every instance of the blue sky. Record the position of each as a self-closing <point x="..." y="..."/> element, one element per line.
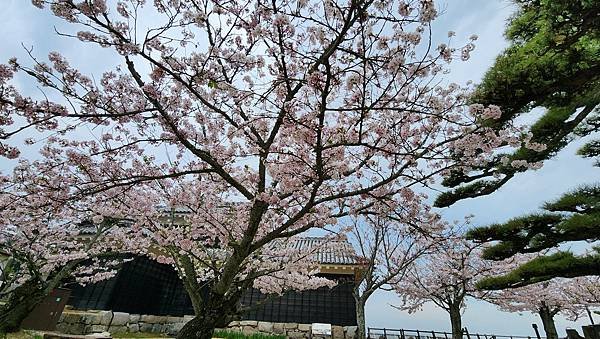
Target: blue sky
<point x="24" y="24"/>
<point x="523" y="194"/>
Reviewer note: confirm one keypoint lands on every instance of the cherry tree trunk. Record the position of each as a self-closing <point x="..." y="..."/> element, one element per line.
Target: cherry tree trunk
<point x="216" y="311"/>
<point x="360" y="319"/>
<point x="456" y="322"/>
<point x="200" y="327"/>
<point x="21" y="302"/>
<point x="548" y="323"/>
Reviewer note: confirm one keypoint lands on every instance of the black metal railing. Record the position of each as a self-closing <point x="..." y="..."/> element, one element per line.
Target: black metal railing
<point x="388" y="333"/>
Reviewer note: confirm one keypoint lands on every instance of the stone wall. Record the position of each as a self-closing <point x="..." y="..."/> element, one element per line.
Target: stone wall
<point x="289" y="330"/>
<point x="78" y="322"/>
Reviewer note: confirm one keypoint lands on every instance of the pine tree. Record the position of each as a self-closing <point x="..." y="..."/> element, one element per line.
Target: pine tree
<point x="553" y="62"/>
<point x="573" y="217"/>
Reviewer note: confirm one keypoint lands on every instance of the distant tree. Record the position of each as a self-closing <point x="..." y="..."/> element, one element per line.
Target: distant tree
<point x="445" y="278"/>
<point x="586" y="290"/>
<point x="388" y="241"/>
<point x="300" y="112"/>
<point x="553" y="62"/>
<point x="568" y="297"/>
<point x="573" y="217"/>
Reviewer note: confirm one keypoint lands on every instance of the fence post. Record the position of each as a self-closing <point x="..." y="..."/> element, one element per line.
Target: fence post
<point x="537" y="333"/>
<point x="418" y="334"/>
<point x="433" y="334"/>
<point x="467" y="333"/>
<point x="384" y="333"/>
<point x="402" y="334"/>
<point x="368" y="332"/>
<point x="446" y="335"/>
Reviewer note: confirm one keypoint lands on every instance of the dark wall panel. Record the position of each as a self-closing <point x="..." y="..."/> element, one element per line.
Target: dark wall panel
<point x="143" y="286"/>
<point x="335" y="306"/>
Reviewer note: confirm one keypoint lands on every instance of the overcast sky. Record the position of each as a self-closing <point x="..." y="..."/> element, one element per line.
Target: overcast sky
<point x="523" y="194"/>
<point x="24" y="24"/>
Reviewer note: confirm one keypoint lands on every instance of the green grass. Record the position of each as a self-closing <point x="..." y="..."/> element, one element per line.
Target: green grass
<point x="237" y="335"/>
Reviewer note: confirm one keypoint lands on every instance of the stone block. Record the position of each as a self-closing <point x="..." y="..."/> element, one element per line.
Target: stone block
<point x="134" y="318"/>
<point x="92" y="318"/>
<point x="248" y="330"/>
<point x="151" y="319"/>
<point x="350" y="332"/>
<point x="174" y="320"/>
<point x="72" y="318"/>
<point x="133" y="328"/>
<point x="296" y="334"/>
<point x="157" y="328"/>
<point x="145" y="327"/>
<point x="264" y="326"/>
<point x="234" y="329"/>
<point x="105" y="317"/>
<point x="290" y="326"/>
<point x="78" y="328"/>
<point x="103" y="335"/>
<point x="120" y="319"/>
<point x="337" y="332"/>
<point x="117" y="328"/>
<point x="278" y="328"/>
<point x="233" y="324"/>
<point x="62" y="327"/>
<point x="304" y="327"/>
<point x="248" y="323"/>
<point x="96" y="328"/>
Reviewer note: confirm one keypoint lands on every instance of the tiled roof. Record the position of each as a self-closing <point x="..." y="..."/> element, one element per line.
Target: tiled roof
<point x="176" y="210"/>
<point x="327" y="251"/>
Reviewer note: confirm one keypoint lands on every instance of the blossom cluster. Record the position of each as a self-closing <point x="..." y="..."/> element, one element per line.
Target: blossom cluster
<point x="288" y="116"/>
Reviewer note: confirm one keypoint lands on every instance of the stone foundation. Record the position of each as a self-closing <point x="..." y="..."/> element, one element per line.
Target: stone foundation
<point x="289" y="330"/>
<point x="79" y="322"/>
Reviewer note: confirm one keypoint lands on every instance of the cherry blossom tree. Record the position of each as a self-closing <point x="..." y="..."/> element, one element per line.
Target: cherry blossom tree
<point x="48" y="242"/>
<point x="389" y="239"/>
<point x="278" y="116"/>
<point x="189" y="234"/>
<point x="446" y="278"/>
<point x="568" y="297"/>
<point x="586" y="290"/>
<point x="389" y="242"/>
